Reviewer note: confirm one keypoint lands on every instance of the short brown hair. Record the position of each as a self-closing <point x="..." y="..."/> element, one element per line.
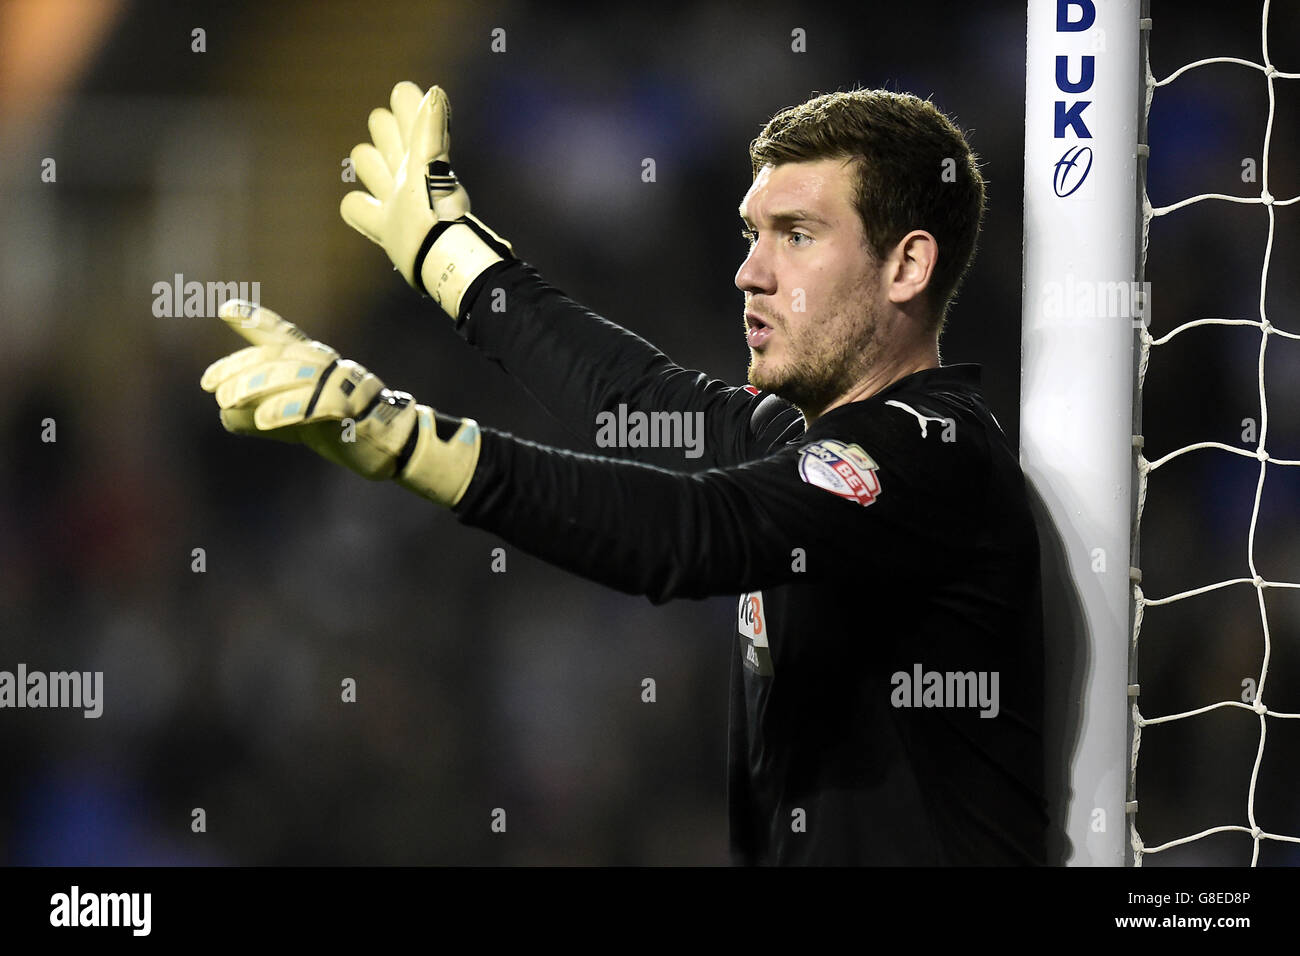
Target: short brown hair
<point x="915" y="171"/>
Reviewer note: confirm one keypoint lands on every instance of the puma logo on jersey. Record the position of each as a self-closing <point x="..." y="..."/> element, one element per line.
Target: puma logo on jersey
<point x="843" y="470"/>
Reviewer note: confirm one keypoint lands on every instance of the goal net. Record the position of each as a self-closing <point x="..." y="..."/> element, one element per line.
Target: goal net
<point x="1249" y="574"/>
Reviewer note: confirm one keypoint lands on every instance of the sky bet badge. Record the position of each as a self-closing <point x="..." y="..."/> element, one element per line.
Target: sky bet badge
<point x="844" y="470"/>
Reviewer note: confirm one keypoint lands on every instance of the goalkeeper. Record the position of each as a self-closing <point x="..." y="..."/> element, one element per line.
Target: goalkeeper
<point x="857" y="496"/>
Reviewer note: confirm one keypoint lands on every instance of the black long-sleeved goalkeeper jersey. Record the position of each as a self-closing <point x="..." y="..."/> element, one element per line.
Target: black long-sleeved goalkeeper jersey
<point x="887" y="650"/>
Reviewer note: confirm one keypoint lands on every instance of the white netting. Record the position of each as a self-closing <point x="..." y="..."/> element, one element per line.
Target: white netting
<point x="1144" y="467"/>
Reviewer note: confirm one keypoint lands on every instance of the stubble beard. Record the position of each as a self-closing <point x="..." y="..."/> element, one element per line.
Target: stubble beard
<point x="825" y="366"/>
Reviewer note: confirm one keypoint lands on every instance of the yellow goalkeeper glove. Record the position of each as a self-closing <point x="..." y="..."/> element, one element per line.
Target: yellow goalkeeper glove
<point x="416" y="208"/>
<point x="288" y="387"/>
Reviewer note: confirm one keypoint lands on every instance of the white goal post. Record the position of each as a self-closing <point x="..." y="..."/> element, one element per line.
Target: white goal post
<point x="1081" y="303"/>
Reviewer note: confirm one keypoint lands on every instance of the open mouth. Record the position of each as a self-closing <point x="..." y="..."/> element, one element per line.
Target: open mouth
<point x="757" y="331"/>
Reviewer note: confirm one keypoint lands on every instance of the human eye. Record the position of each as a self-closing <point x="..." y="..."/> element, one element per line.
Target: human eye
<point x="749" y="235"/>
<point x="800" y="235"/>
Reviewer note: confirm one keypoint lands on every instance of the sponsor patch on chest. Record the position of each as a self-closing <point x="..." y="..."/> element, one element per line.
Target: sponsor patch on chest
<point x="751" y="623"/>
<point x="844" y="470"/>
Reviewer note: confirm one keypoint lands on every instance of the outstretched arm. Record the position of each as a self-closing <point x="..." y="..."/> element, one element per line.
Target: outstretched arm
<point x="635" y="527"/>
<point x="609" y="387"/>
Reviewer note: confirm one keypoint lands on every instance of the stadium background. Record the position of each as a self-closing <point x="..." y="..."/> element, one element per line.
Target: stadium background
<point x="520" y="690"/>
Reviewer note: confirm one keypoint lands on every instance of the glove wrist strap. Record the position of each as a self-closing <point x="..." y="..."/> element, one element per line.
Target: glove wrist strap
<point x="452" y="256"/>
<point x="440" y="457"/>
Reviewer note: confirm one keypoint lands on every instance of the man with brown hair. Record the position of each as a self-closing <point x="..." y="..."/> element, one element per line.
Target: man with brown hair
<point x="858" y="496"/>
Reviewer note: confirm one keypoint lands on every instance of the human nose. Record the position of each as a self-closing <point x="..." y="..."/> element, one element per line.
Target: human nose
<point x="755" y="274"/>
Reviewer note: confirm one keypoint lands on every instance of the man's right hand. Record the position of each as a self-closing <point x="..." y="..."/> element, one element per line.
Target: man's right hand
<point x="415" y="208"/>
